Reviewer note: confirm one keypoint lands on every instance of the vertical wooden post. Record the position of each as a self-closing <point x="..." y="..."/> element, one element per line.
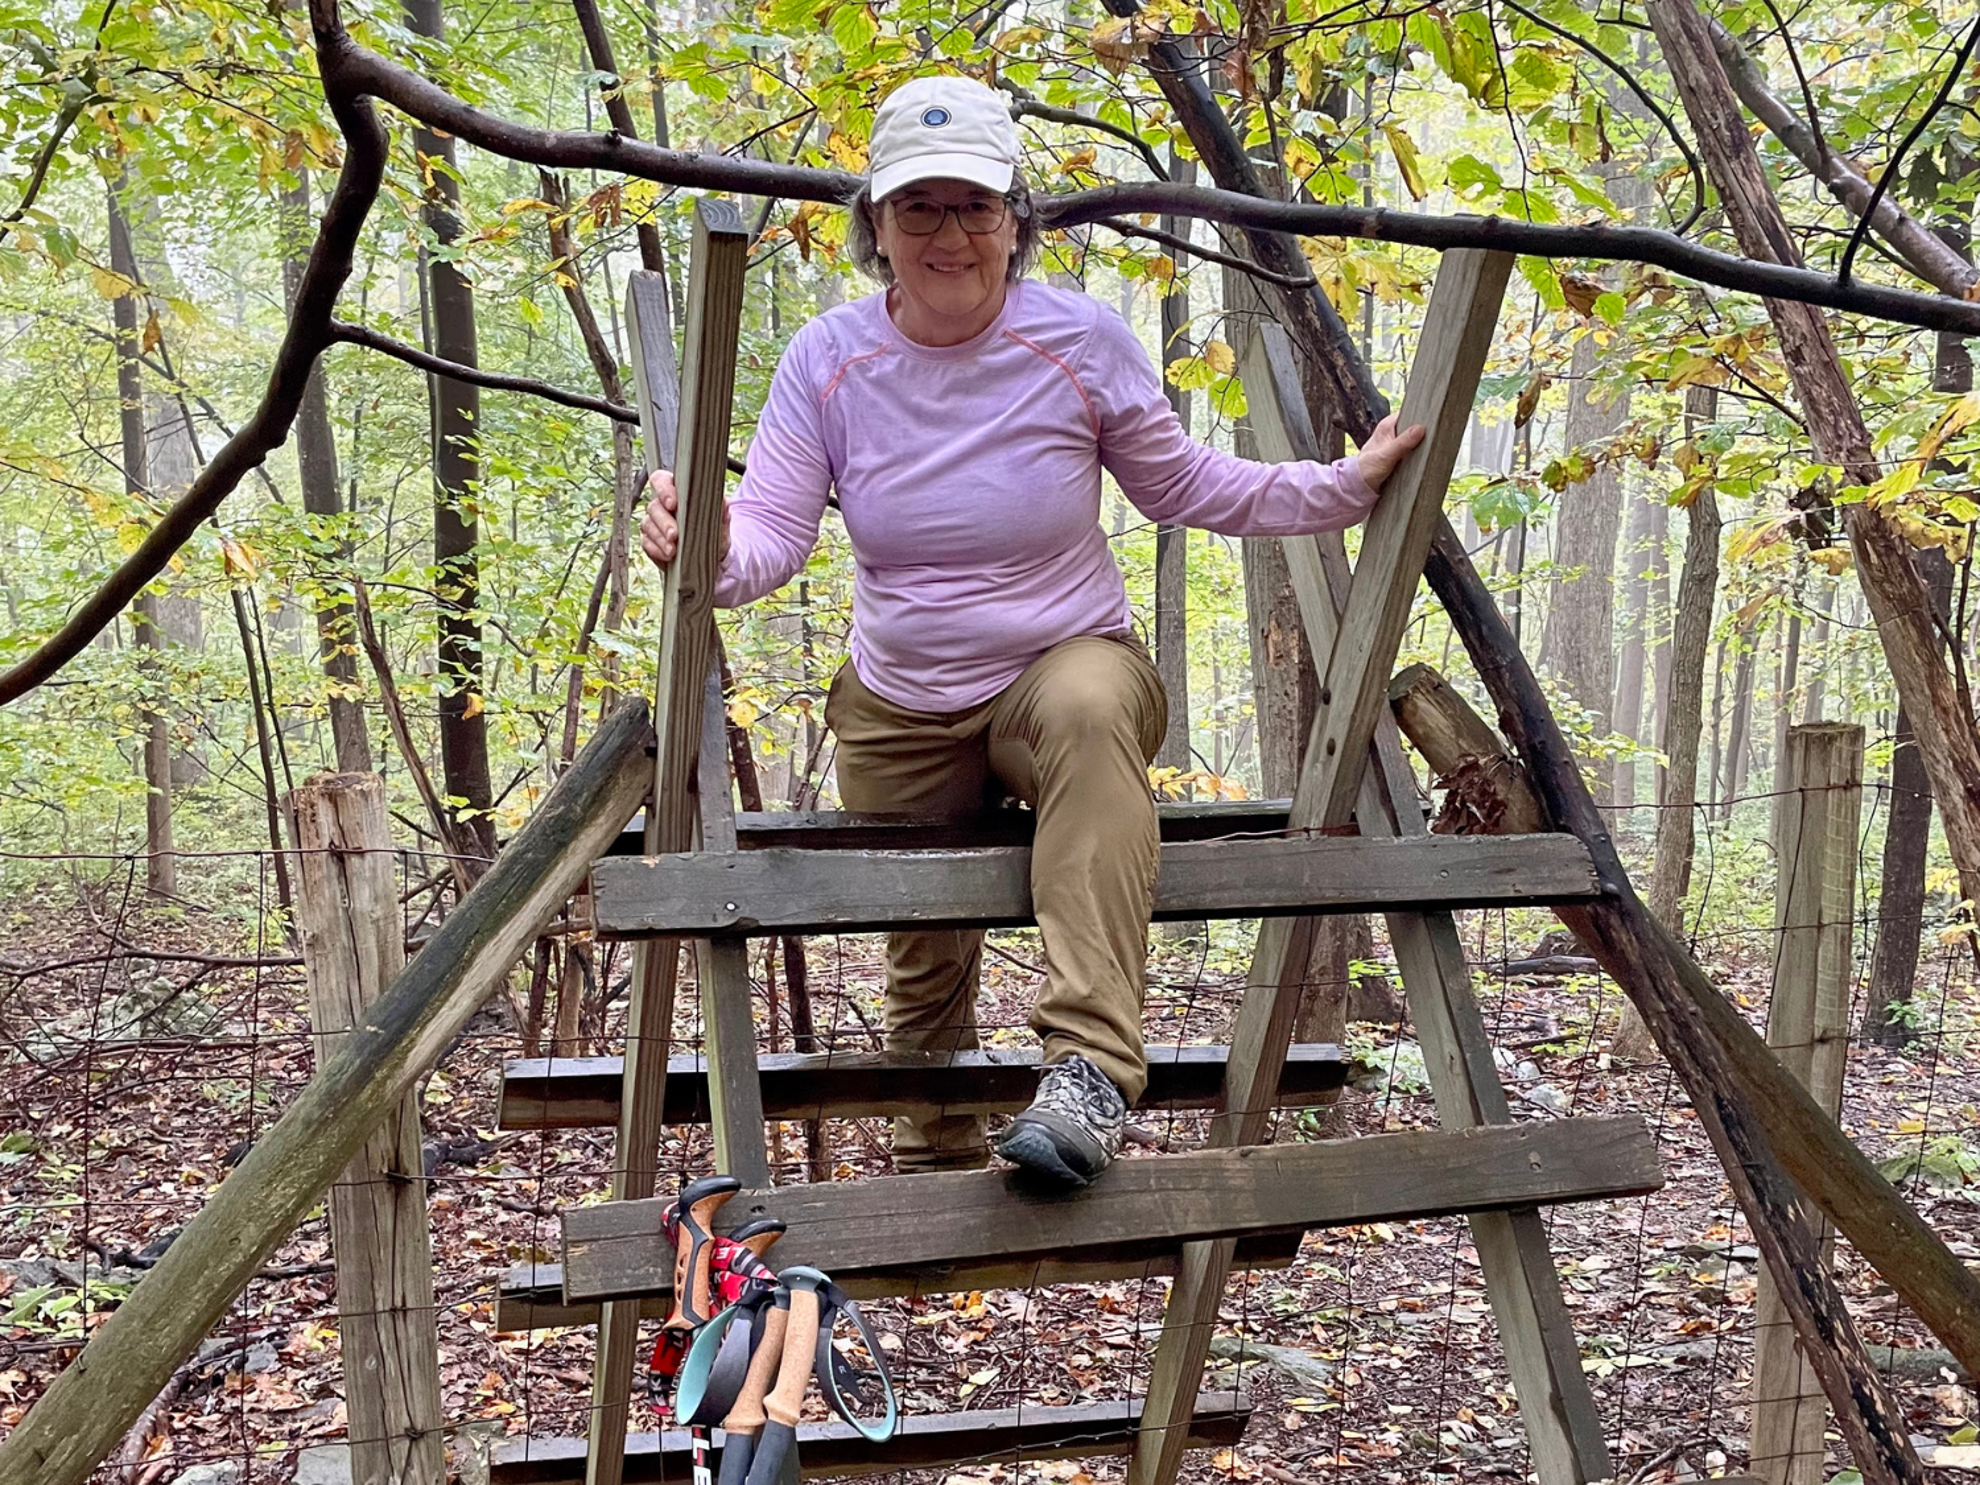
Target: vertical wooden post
<point x="1450" y="355"/>
<point x="347" y="911"/>
<point x="1564" y="1431"/>
<point x="685" y="427"/>
<point x="1815" y="836"/>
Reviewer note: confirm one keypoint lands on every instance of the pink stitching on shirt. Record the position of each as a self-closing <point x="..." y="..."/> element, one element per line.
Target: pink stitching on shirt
<point x="1032" y="346"/>
<point x="840" y="375"/>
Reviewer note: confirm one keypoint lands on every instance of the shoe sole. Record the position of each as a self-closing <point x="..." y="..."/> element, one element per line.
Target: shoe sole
<point x="1033" y="1149"/>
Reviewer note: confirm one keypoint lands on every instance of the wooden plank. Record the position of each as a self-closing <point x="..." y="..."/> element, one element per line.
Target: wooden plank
<point x="695" y="445"/>
<point x="1564" y="1430"/>
<point x="1354" y="671"/>
<point x="347" y="915"/>
<point x="583" y="1092"/>
<point x="1003" y="1436"/>
<point x="531" y="1296"/>
<point x="903" y="1224"/>
<point x="735" y="1098"/>
<point x="834" y="830"/>
<point x="1450" y="354"/>
<point x="785" y="891"/>
<point x="90" y="1407"/>
<point x="1815" y="836"/>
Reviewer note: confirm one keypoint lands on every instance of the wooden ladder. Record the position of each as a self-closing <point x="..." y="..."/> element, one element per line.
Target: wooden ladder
<point x="704" y="875"/>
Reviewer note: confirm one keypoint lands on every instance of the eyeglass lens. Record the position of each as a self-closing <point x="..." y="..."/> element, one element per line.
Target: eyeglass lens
<point x="924" y="218"/>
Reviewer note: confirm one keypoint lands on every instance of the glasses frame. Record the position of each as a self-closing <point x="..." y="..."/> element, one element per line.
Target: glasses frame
<point x="1012" y="207"/>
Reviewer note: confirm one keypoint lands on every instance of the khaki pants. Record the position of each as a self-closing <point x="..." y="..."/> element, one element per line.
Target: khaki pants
<point x="1072" y="737"/>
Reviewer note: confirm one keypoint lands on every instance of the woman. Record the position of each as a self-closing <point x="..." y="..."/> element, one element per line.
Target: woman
<point x="964" y="415"/>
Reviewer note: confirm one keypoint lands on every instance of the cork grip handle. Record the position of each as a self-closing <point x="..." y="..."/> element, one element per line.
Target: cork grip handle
<point x="794" y="1374"/>
<point x="748" y="1414"/>
<point x="694" y="1251"/>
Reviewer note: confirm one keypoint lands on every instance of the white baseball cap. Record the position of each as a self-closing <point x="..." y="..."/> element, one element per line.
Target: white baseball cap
<point x="942" y="128"/>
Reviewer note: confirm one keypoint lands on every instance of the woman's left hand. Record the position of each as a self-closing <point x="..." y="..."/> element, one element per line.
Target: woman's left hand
<point x="1385" y="450"/>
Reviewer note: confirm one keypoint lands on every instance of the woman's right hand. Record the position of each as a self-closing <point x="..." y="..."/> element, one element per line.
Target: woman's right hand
<point x="659" y="528"/>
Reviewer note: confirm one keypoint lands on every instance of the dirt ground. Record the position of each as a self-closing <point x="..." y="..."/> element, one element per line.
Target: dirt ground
<point x="128" y="1084"/>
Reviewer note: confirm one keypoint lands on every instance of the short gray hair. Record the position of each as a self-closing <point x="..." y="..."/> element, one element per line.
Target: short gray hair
<point x="863" y="244"/>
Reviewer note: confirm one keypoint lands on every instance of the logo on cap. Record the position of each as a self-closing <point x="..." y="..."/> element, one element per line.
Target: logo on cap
<point x="935" y="118"/>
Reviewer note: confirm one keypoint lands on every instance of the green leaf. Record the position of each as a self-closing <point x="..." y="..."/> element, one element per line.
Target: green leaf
<point x="854" y="28"/>
<point x="1611" y="306"/>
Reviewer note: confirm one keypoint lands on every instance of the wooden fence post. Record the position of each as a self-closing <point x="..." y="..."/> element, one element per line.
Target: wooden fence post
<point x="347" y="910"/>
<point x="1815" y="837"/>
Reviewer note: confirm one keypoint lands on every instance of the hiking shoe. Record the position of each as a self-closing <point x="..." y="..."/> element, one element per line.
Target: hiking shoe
<point x="1072" y="1130"/>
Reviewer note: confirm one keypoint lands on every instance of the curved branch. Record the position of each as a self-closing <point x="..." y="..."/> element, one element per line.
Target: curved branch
<point x="1616" y="244"/>
<point x="412" y="355"/>
<point x="1024" y="105"/>
<point x="1211" y="255"/>
<point x="38" y="176"/>
<point x="1890" y="170"/>
<point x="309" y="331"/>
<point x="1670" y="125"/>
<point x="1916" y="245"/>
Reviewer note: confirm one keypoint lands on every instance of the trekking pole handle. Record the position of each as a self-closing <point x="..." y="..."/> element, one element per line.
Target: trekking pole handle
<point x="694" y="1242"/>
<point x="786" y="1400"/>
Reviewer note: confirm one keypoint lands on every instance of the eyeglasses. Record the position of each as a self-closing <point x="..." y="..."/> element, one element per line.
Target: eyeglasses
<point x="923" y="218"/>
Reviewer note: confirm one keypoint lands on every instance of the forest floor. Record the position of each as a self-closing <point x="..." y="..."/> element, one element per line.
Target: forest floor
<point x="128" y="1084"/>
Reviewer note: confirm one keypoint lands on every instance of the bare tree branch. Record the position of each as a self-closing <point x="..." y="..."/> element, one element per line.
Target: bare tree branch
<point x="1891" y="167"/>
<point x="1921" y="249"/>
<point x="501" y="381"/>
<point x="1024" y="105"/>
<point x="1209" y="255"/>
<point x="309" y="331"/>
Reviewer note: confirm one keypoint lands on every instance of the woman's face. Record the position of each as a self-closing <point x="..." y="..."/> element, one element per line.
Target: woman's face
<point x="950" y="278"/>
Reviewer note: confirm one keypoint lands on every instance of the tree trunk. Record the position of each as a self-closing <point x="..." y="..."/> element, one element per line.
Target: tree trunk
<point x="1172" y="542"/>
<point x="1628" y="714"/>
<point x="1908" y="827"/>
<point x="1941" y="718"/>
<point x="1738" y="742"/>
<point x="161" y="873"/>
<point x="456" y="410"/>
<point x="1907" y="839"/>
<point x="1577" y="642"/>
<point x="1818" y="654"/>
<point x="316" y="460"/>
<point x="1691" y="634"/>
<point x="1784" y="689"/>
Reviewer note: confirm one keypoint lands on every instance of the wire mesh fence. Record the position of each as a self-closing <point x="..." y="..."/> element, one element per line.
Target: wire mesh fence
<point x="146" y="1046"/>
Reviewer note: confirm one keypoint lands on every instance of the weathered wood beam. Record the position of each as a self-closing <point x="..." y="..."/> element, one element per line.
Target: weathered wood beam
<point x="91" y="1406"/>
<point x="1443" y="382"/>
<point x="353" y="947"/>
<point x="531" y="1296"/>
<point x="684" y="425"/>
<point x="833" y="830"/>
<point x="583" y="1092"/>
<point x="783" y="891"/>
<point x="835" y="1450"/>
<point x="905" y="1224"/>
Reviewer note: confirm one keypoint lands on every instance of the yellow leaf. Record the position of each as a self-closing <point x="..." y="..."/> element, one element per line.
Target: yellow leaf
<point x="1702" y="370"/>
<point x="1078" y="160"/>
<point x="475" y="703"/>
<point x="153" y="335"/>
<point x="110" y="285"/>
<point x="1407" y="164"/>
<point x="1123" y="40"/>
<point x="1960" y="415"/>
<point x="743" y="713"/>
<point x="1162" y="270"/>
<point x="237" y="559"/>
<point x="1222" y="359"/>
<point x="1833" y="560"/>
<point x="847" y="152"/>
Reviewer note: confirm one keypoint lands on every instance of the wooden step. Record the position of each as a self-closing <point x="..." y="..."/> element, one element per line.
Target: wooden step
<point x="583" y="1092"/>
<point x="832" y="830"/>
<point x="833" y="1449"/>
<point x="531" y="1296"/>
<point x="926" y="1227"/>
<point x="782" y="890"/>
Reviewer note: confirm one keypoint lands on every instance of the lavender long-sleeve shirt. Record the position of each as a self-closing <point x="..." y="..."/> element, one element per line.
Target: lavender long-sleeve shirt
<point x="969" y="480"/>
